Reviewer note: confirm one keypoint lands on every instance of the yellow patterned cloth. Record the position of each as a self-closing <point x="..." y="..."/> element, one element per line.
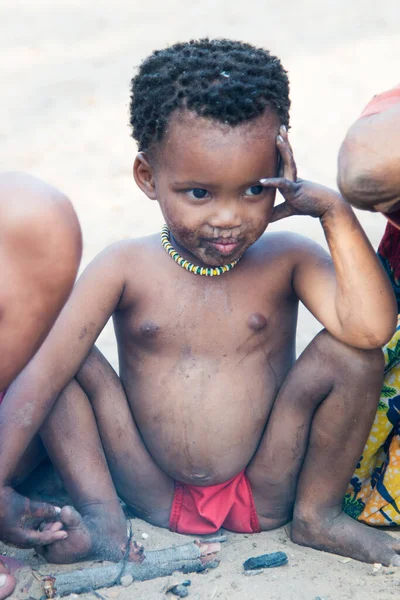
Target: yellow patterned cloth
<point x="373" y="495"/>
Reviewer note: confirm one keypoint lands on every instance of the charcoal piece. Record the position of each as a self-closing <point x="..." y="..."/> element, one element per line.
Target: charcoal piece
<point x="266" y="561"/>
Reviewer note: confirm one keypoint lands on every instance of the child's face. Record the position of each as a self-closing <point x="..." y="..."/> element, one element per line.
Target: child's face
<point x="205" y="177"/>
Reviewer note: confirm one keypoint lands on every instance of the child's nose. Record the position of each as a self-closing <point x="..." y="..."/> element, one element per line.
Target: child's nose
<point x="226" y="217"/>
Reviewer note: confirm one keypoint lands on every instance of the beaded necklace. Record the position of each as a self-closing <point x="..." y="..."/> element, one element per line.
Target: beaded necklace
<point x="185" y="264"/>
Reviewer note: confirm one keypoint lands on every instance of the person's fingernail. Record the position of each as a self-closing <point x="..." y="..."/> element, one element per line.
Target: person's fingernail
<point x="280" y="138"/>
<point x="3" y="579"/>
<point x="283" y="129"/>
<point x="57" y="509"/>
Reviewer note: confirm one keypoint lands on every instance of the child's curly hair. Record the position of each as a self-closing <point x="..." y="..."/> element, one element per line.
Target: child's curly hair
<point x="229" y="81"/>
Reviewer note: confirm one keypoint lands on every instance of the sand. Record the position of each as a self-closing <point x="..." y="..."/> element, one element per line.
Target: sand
<point x="65" y="70"/>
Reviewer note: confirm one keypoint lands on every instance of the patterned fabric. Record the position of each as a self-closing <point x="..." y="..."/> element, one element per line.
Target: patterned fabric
<point x="373" y="495"/>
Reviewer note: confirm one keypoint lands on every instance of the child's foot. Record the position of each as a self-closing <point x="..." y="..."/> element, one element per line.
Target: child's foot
<point x="7" y="581"/>
<point x="343" y="535"/>
<point x="96" y="533"/>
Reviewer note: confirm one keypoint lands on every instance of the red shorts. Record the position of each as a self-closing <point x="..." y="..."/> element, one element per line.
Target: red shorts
<point x="203" y="510"/>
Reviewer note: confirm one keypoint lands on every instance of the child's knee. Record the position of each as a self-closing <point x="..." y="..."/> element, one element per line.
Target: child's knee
<point x="96" y="375"/>
<point x="352" y="362"/>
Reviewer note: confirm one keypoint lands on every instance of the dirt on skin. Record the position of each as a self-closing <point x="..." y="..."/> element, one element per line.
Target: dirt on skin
<point x="65" y="70"/>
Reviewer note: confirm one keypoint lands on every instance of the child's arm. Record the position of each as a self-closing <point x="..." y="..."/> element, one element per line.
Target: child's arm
<point x="350" y="294"/>
<point x="33" y="393"/>
<point x="369" y="158"/>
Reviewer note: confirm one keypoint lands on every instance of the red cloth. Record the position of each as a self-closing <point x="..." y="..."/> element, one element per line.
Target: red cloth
<point x="393" y="218"/>
<point x="389" y="249"/>
<point x="203" y="510"/>
<point x="382" y="102"/>
<point x="379" y="104"/>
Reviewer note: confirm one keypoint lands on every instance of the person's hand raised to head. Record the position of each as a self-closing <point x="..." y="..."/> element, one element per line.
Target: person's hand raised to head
<point x="300" y="197"/>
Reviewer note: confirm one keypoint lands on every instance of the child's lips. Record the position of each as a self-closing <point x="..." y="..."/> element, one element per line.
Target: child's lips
<point x="225" y="247"/>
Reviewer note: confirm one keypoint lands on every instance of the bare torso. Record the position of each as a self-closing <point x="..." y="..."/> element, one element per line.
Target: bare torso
<point x="202" y="359"/>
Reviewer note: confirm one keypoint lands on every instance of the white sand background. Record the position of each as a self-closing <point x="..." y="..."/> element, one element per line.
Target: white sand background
<point x="65" y="71"/>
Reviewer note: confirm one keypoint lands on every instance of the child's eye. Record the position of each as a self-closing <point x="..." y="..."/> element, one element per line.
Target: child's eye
<point x="254" y="190"/>
<point x="197" y="193"/>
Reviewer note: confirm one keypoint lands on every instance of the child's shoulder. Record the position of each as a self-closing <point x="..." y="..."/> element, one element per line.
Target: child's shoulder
<point x="122" y="266"/>
<point x="120" y="261"/>
<point x="131" y="249"/>
<point x="280" y="254"/>
<point x="286" y="244"/>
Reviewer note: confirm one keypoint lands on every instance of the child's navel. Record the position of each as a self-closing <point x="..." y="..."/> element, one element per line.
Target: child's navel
<point x="257" y="321"/>
<point x="149" y="329"/>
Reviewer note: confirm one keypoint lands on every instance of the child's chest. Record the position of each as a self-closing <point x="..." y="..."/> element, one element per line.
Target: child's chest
<point x="209" y="315"/>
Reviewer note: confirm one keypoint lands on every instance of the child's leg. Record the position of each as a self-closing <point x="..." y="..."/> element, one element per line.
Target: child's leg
<point x="139" y="481"/>
<point x="72" y="439"/>
<point x="318" y="426"/>
<point x="34" y="455"/>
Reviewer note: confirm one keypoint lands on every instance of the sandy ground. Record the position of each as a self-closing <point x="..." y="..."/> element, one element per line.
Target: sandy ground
<point x="65" y="70"/>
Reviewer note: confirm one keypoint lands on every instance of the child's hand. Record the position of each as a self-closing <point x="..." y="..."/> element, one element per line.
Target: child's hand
<point x="21" y="521"/>
<point x="301" y="197"/>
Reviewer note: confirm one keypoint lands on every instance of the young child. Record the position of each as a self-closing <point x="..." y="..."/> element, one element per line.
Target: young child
<point x="211" y="421"/>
